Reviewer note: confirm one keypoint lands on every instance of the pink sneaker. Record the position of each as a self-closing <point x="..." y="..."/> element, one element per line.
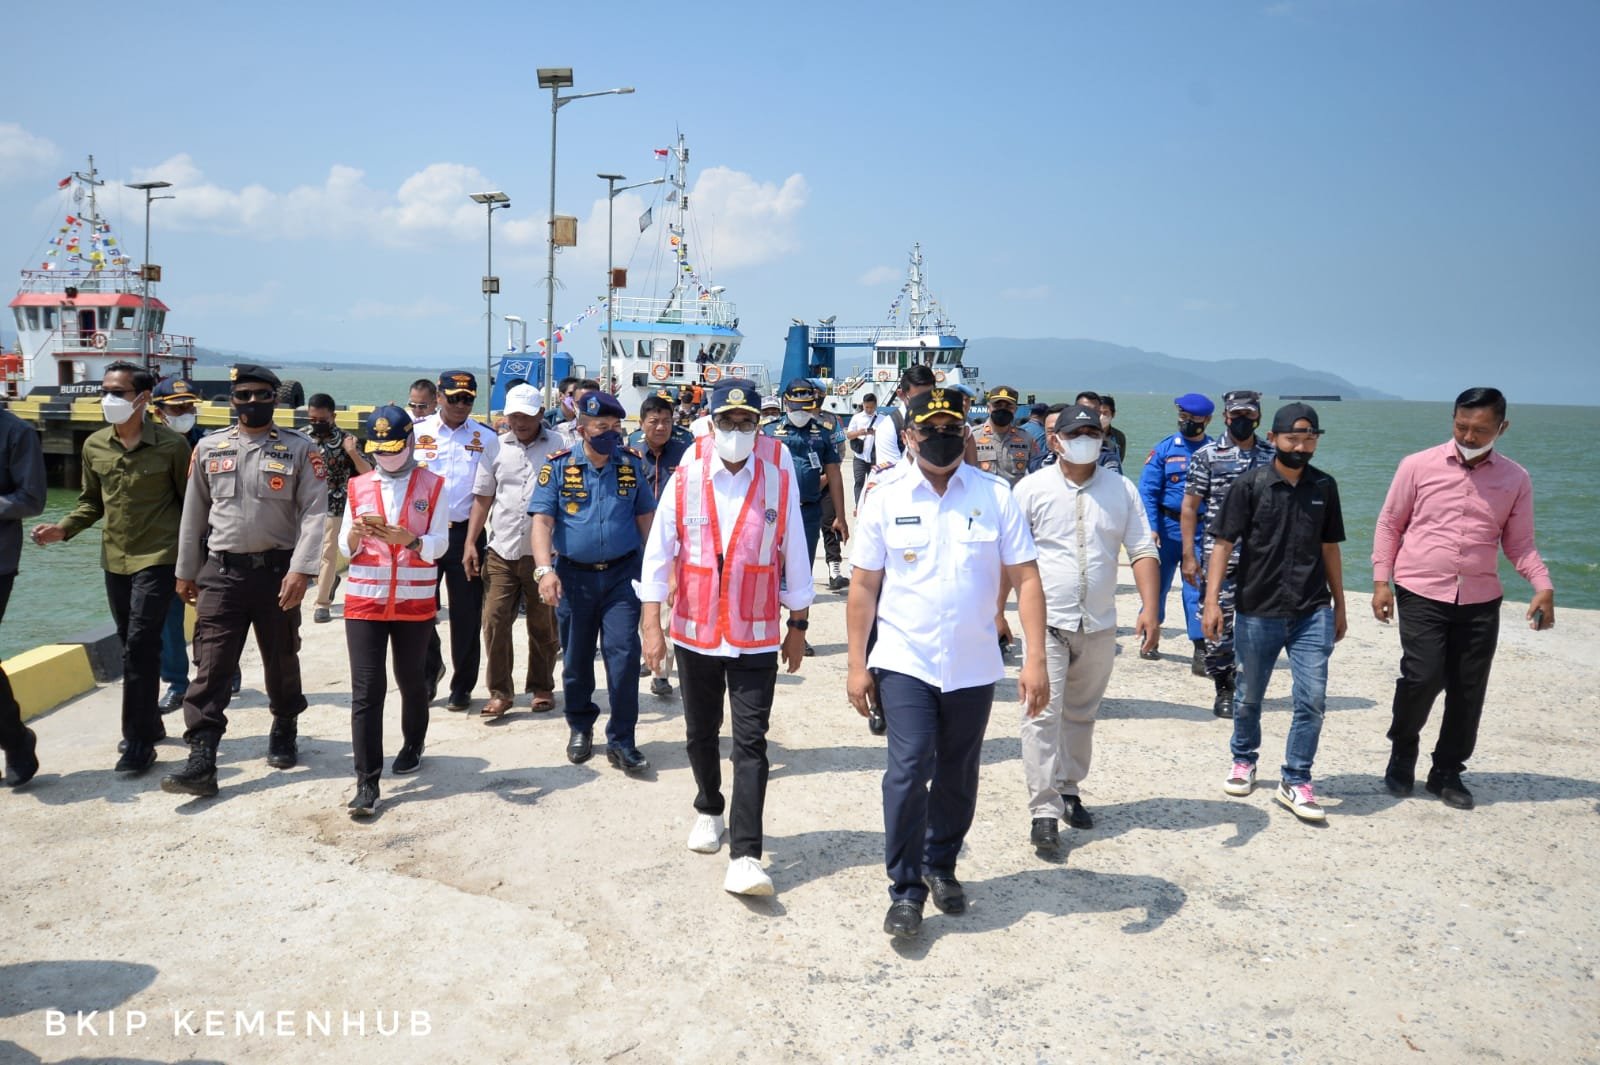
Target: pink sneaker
<point x="1241" y="779"/>
<point x="1300" y="800"/>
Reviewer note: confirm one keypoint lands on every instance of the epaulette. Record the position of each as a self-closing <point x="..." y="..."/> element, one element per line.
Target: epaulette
<point x="563" y="453"/>
<point x="628" y="449"/>
<point x="214" y="432"/>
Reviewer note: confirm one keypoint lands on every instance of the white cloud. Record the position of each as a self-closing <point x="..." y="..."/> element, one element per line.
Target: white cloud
<point x="256" y="302"/>
<point x="1036" y="292"/>
<point x="23" y="154"/>
<point x="880" y="275"/>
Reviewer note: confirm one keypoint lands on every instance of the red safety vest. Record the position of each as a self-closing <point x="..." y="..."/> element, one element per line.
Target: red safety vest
<point x="732" y="597"/>
<point x="385" y="582"/>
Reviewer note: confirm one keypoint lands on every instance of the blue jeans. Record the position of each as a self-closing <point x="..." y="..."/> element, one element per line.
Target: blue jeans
<point x="1171" y="549"/>
<point x="1256" y="642"/>
<point x="174" y="648"/>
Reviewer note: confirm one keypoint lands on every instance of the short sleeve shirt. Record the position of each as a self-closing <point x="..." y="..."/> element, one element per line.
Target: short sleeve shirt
<point x="595" y="509"/>
<point x="1280" y="529"/>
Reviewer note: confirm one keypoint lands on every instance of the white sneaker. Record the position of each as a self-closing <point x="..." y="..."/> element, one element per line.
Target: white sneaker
<point x="1300" y="799"/>
<point x="706" y="835"/>
<point x="1241" y="779"/>
<point x="746" y="877"/>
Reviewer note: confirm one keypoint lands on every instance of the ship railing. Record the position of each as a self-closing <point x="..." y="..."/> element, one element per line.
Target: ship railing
<point x="123" y="281"/>
<point x="72" y="340"/>
<point x="675" y="312"/>
<point x="826" y="335"/>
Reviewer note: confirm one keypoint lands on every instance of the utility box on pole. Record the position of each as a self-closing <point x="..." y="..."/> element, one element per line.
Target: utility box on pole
<point x="565" y="232"/>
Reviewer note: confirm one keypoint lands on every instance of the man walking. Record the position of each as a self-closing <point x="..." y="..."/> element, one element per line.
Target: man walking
<point x="22" y="495"/>
<point x="1080" y="515"/>
<point x="173" y="401"/>
<point x="249" y="543"/>
<point x="1212" y="471"/>
<point x="1286" y="520"/>
<point x="134" y="474"/>
<point x="931" y="544"/>
<point x="816" y="460"/>
<point x="833" y="522"/>
<point x="1003" y="449"/>
<point x="861" y="432"/>
<point x="342" y="460"/>
<point x="727" y="526"/>
<point x="1450" y="511"/>
<point x="658" y="443"/>
<point x="1161" y="485"/>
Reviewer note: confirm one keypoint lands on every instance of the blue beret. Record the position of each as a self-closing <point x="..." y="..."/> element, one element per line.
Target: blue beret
<point x="601" y="405"/>
<point x="1196" y="404"/>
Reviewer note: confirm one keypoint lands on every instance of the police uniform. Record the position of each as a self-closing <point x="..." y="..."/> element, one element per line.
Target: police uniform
<point x="455" y="455"/>
<point x="174" y="643"/>
<point x="596" y="539"/>
<point x="252" y="514"/>
<point x="1007" y="453"/>
<point x="812" y="449"/>
<point x="1212" y="471"/>
<point x="831" y="542"/>
<point x="1161" y="486"/>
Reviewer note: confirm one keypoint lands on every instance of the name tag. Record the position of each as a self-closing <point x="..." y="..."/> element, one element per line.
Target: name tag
<point x="695" y="520"/>
<point x="912" y="520"/>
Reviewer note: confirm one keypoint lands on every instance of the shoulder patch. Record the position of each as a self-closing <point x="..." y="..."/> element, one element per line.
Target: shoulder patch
<point x="563" y="453"/>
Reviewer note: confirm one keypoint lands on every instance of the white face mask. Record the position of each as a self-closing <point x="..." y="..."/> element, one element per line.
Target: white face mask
<point x="734" y="446"/>
<point x="799" y="418"/>
<point x="1080" y="450"/>
<point x="393" y="463"/>
<point x="180" y="423"/>
<point x="1470" y="453"/>
<point x="116" y="409"/>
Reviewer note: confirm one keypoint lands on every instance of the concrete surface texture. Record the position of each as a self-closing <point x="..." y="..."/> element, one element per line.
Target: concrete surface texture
<point x="506" y="906"/>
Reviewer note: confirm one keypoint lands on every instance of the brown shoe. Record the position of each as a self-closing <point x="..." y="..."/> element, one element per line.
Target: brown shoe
<point x="495" y="707"/>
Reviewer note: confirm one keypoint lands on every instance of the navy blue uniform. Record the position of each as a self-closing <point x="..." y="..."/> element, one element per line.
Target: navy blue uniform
<point x="812" y="448"/>
<point x="1161" y="487"/>
<point x="597" y="546"/>
<point x="657" y="468"/>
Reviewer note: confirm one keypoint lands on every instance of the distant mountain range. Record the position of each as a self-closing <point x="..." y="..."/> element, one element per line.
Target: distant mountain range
<point x="1053" y="365"/>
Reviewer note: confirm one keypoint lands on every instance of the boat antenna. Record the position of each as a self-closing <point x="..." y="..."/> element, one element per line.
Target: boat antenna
<point x="91" y="179"/>
<point x="680" y="185"/>
<point x="915" y="313"/>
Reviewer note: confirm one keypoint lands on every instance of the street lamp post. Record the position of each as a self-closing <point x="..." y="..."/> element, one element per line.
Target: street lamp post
<point x="555" y="79"/>
<point x="492" y="202"/>
<point x="147" y="187"/>
<point x="611" y="291"/>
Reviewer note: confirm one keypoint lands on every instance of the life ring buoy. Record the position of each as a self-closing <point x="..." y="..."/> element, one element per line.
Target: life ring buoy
<point x="100" y="340"/>
<point x="661" y="371"/>
<point x="883" y="375"/>
<point x="166" y="347"/>
<point x="712" y="374"/>
<point x="938" y="375"/>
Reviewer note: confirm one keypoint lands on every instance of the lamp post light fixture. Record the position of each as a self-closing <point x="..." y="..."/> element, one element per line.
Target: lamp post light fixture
<point x="492" y="202"/>
<point x="517" y="322"/>
<point x="145" y="273"/>
<point x="555" y="79"/>
<point x="611" y="286"/>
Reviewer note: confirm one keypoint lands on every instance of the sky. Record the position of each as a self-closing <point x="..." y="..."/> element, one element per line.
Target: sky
<point x="1406" y="193"/>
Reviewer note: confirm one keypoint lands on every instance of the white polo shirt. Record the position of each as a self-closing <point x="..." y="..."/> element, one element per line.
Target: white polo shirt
<point x="886" y="438"/>
<point x="454" y="454"/>
<point x="509" y="477"/>
<point x="1078" y="531"/>
<point x="941" y="558"/>
<point x="862" y="420"/>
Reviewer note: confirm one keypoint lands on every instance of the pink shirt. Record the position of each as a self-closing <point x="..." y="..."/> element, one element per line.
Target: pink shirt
<point x="1443" y="524"/>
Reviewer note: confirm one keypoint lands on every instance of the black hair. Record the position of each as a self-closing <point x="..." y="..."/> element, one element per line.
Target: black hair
<point x="917" y="376"/>
<point x="1477" y="398"/>
<point x="428" y="388"/>
<point x="143" y="380"/>
<point x="565" y="383"/>
<point x="1057" y="408"/>
<point x="870" y="396"/>
<point x="588" y="384"/>
<point x="1108" y="400"/>
<point x="321" y="401"/>
<point x="1092" y="397"/>
<point x="653" y="403"/>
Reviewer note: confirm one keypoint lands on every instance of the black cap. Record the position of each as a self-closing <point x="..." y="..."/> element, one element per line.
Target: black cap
<point x="1289" y="413"/>
<point x="939" y="400"/>
<point x="1004" y="392"/>
<point x="454" y="381"/>
<point x="1077" y="416"/>
<point x="245" y="371"/>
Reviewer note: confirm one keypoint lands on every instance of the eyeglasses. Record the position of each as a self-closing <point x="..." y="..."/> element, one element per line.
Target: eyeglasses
<point x="731" y="425"/>
<point x="465" y="397"/>
<point x="253" y="395"/>
<point x="928" y="432"/>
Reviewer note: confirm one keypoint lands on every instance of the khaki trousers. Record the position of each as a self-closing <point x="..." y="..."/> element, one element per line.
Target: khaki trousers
<point x="506" y="584"/>
<point x="329" y="570"/>
<point x="1057" y="745"/>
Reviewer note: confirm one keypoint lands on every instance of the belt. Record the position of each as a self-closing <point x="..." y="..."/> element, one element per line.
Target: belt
<point x="596" y="567"/>
<point x="1175" y="515"/>
<point x="251" y="559"/>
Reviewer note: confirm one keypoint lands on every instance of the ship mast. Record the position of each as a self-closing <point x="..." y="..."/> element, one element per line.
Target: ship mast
<point x="676" y="227"/>
<point x="916" y="313"/>
<point x="91" y="179"/>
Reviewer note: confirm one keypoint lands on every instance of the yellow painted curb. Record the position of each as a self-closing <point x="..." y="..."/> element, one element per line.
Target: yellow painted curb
<point x="48" y="676"/>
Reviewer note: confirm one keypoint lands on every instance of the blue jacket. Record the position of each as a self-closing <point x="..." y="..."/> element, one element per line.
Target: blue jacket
<point x="1161" y="483"/>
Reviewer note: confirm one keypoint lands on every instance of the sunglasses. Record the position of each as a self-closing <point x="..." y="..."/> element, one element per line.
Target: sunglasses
<point x="421" y="407"/>
<point x="466" y="398"/>
<point x="253" y="395"/>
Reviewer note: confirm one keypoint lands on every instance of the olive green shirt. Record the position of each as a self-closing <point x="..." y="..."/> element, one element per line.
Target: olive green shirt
<point x="139" y="493"/>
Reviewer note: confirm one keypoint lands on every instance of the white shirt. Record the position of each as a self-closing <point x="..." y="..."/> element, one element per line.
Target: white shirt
<point x="392" y="490"/>
<point x="729" y="490"/>
<point x="1078" y="531"/>
<point x="941" y="558"/>
<point x="863" y="420"/>
<point x="701" y="426"/>
<point x="509" y="477"/>
<point x="454" y="454"/>
<point x="886" y="439"/>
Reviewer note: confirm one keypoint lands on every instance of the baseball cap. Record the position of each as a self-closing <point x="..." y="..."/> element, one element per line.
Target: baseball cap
<point x="1005" y="392"/>
<point x="601" y="405"/>
<point x="247" y="371"/>
<point x="173" y="390"/>
<point x="524" y="399"/>
<point x="736" y="393"/>
<point x="1289" y="413"/>
<point x="388" y="428"/>
<point x="941" y="400"/>
<point x="1077" y="416"/>
<point x="452" y="382"/>
<point x="1242" y="399"/>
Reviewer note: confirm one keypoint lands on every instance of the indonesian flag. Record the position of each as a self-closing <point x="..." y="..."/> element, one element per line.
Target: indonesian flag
<point x="63" y="183"/>
<point x="661" y="153"/>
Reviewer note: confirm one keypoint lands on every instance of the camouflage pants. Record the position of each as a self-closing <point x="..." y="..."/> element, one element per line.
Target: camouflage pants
<point x="1219" y="652"/>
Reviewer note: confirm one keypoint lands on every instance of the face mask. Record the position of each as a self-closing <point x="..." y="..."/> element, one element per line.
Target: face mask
<point x="567" y="404"/>
<point x="1470" y="453"/>
<point x="605" y="443"/>
<point x="254" y="415"/>
<point x="1242" y="428"/>
<point x="1294" y="460"/>
<point x="1105" y="421"/>
<point x="1080" y="450"/>
<point x="799" y="418"/>
<point x="734" y="446"/>
<point x="1002" y="418"/>
<point x="1189" y="427"/>
<point x="321" y="430"/>
<point x="393" y="464"/>
<point x="940" y="453"/>
<point x="180" y="423"/>
<point x="116" y="409"/>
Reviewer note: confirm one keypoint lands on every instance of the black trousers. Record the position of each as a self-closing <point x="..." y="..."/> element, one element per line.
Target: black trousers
<point x="1446" y="647"/>
<point x="861" y="468"/>
<point x="367" y="642"/>
<point x="748" y="681"/>
<point x="139" y="603"/>
<point x="233" y="600"/>
<point x="14" y="738"/>
<point x="466" y="615"/>
<point x="830" y="539"/>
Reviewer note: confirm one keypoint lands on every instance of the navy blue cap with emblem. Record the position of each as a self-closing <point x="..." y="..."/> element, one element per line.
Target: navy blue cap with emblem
<point x="736" y="393"/>
<point x="455" y="381"/>
<point x="173" y="390"/>
<point x="601" y="405"/>
<point x="387" y="430"/>
<point x="799" y="392"/>
<point x="247" y="371"/>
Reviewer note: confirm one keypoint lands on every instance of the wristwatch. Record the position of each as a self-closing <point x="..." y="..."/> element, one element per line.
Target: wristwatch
<point x="416" y="542"/>
<point x="539" y="572"/>
<point x="802" y="624"/>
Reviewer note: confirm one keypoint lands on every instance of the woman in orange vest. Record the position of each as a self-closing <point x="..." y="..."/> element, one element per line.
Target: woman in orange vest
<point x="392" y="531"/>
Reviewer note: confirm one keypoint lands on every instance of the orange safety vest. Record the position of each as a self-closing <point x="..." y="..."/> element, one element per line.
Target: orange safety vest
<point x="385" y="582"/>
<point x="732" y="597"/>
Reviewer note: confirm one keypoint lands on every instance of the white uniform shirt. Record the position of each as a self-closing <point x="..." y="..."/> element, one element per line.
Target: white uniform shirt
<point x="392" y="490"/>
<point x="454" y="454"/>
<point x="729" y="490"/>
<point x="863" y="420"/>
<point x="941" y="558"/>
<point x="886" y="439"/>
<point x="509" y="477"/>
<point x="1078" y="531"/>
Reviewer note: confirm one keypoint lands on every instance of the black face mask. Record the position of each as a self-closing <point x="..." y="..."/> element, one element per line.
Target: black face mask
<point x="1242" y="428"/>
<point x="1002" y="418"/>
<point x="1189" y="427"/>
<point x="941" y="451"/>
<point x="255" y="415"/>
<point x="321" y="430"/>
<point x="1294" y="460"/>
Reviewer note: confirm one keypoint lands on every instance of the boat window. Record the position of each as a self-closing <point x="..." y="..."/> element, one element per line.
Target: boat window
<point x="643" y="348"/>
<point x="21" y="319"/>
<point x="717" y="351"/>
<point x="125" y="317"/>
<point x="159" y="320"/>
<point x="733" y="349"/>
<point x="677" y="351"/>
<point x="49" y="317"/>
<point x="105" y="317"/>
<point x="33" y="318"/>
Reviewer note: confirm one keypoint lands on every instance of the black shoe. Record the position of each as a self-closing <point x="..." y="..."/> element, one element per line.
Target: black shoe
<point x="1451" y="790"/>
<point x="904" y="919"/>
<point x="1222" y="705"/>
<point x="122" y="745"/>
<point x="1399" y="779"/>
<point x="366" y="800"/>
<point x="644" y="670"/>
<point x="1197" y="666"/>
<point x="838" y="584"/>
<point x="1045" y="836"/>
<point x="947" y="893"/>
<point x="409" y="760"/>
<point x="661" y="686"/>
<point x="136" y="759"/>
<point x="1149" y="656"/>
<point x="1077" y="816"/>
<point x="438" y="679"/>
<point x="198" y="775"/>
<point x="173" y="700"/>
<point x="237" y="685"/>
<point x="22" y="765"/>
<point x="811" y="652"/>
<point x="282" y="750"/>
<point x="580" y="746"/>
<point x="459" y="702"/>
<point x="625" y="757"/>
<point x="875" y="721"/>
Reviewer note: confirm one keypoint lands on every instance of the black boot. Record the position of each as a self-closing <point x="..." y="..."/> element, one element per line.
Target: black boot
<point x="282" y="752"/>
<point x="1223" y="707"/>
<point x="23" y="763"/>
<point x="199" y="774"/>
